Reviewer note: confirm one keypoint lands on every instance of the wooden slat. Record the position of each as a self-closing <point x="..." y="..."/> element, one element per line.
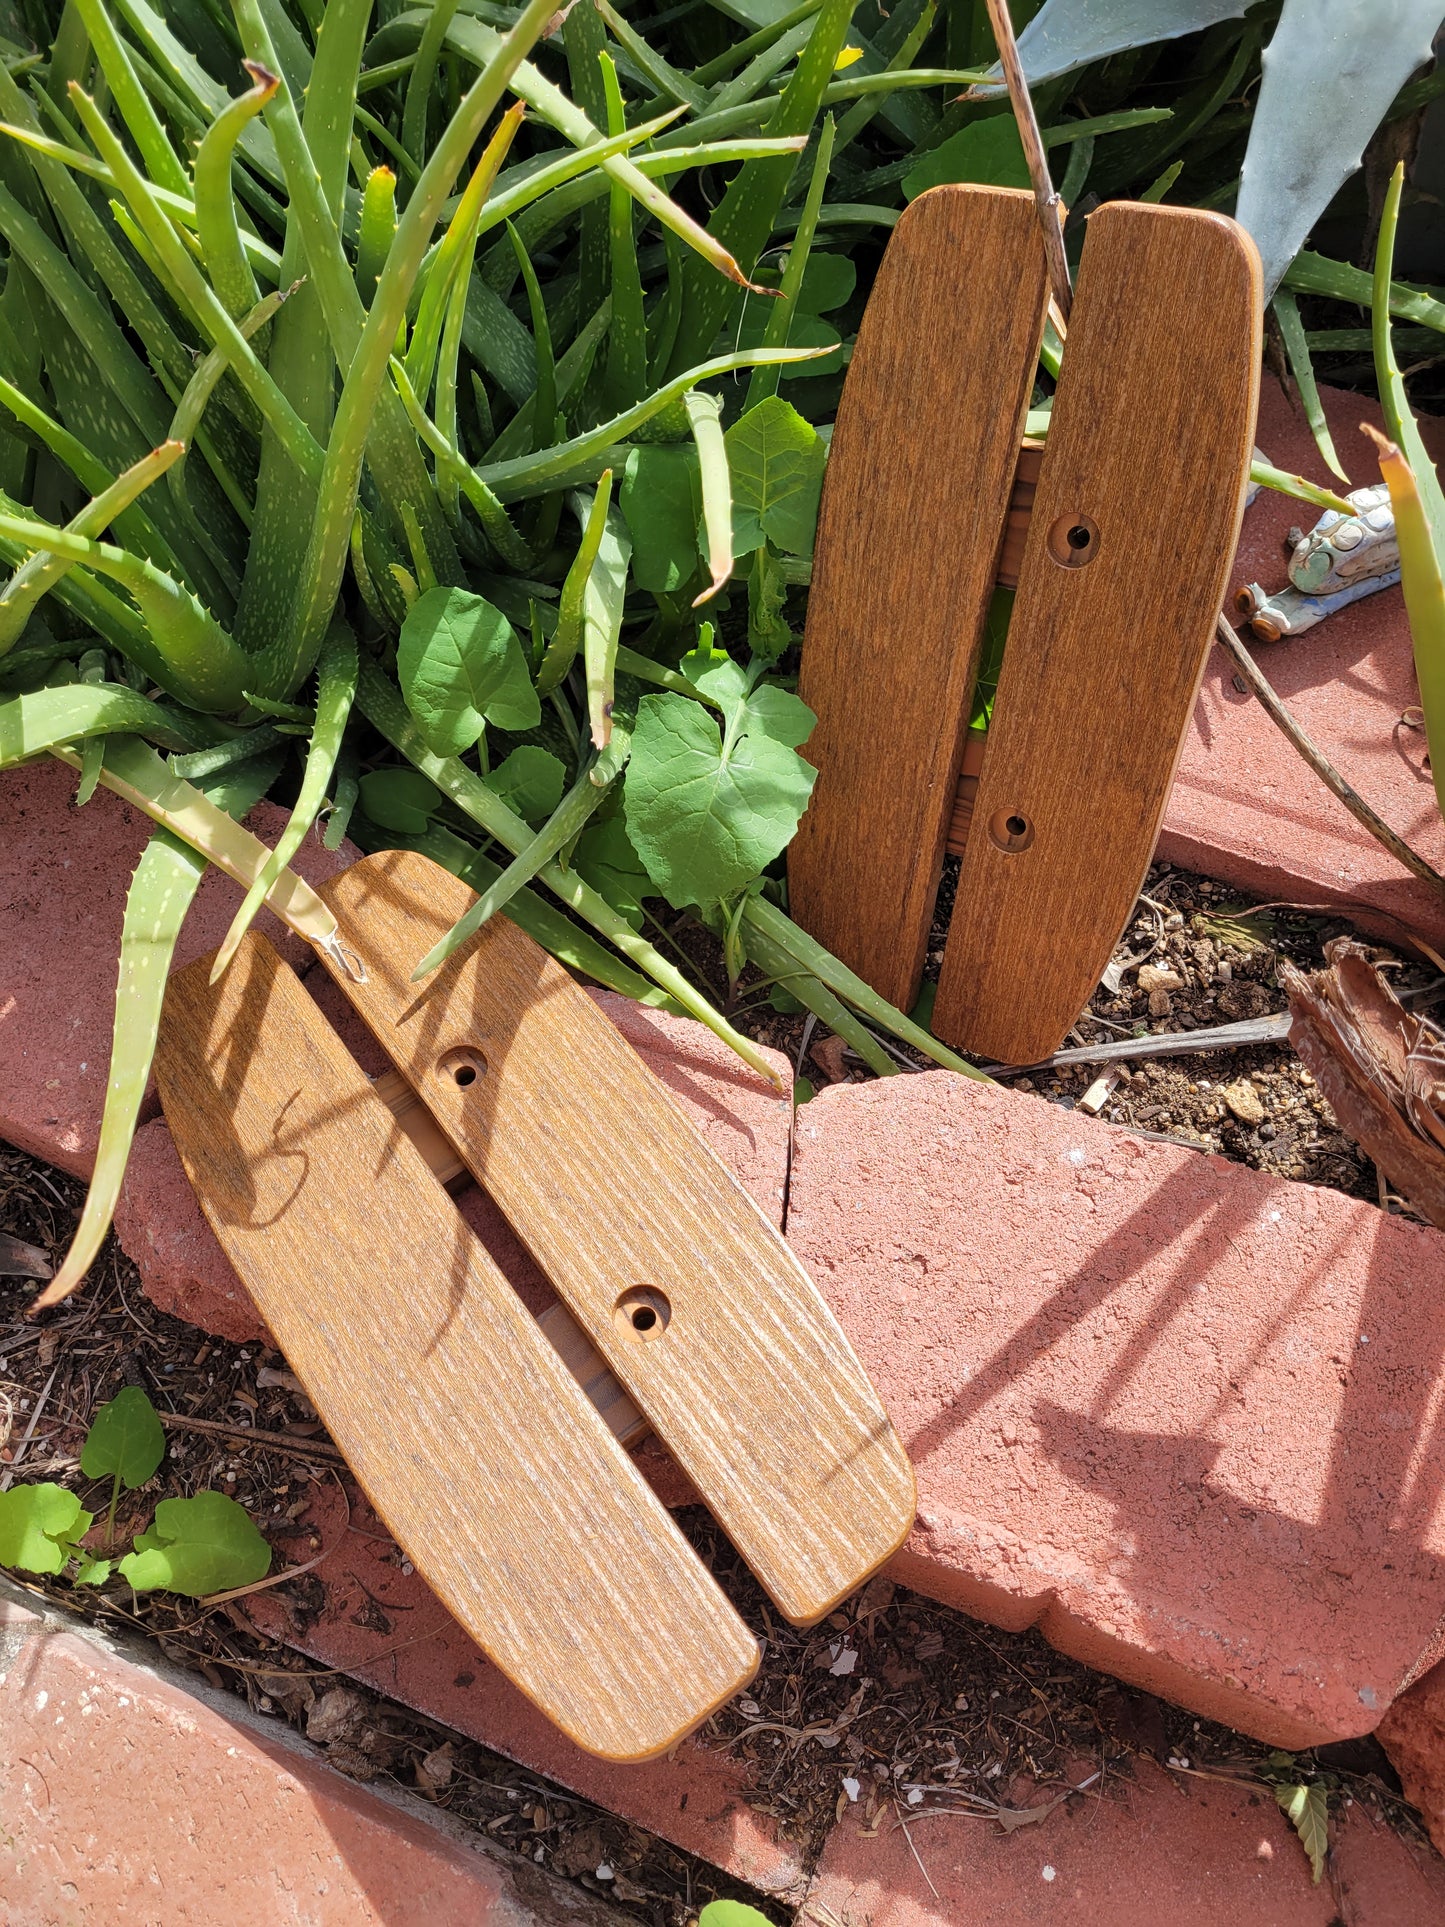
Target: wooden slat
<point x="467" y="1432"/>
<point x="566" y="1336"/>
<point x="1149" y="442"/>
<point x="918" y="485"/>
<point x="670" y="1268"/>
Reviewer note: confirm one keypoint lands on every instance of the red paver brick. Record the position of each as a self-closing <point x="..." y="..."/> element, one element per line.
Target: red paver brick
<point x="128" y="1798"/>
<point x="63" y="877"/>
<point x="1244" y="806"/>
<point x="185" y="1271"/>
<point x="384" y="1627"/>
<point x="1182" y="1416"/>
<point x="1413" y="1734"/>
<point x="1196" y="1854"/>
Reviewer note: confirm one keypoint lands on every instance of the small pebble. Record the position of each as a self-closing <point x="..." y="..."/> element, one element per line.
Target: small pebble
<point x="1049" y="1873"/>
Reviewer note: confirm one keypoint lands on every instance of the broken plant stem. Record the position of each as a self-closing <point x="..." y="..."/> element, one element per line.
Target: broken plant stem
<point x="1252" y="674"/>
<point x="1051" y="217"/>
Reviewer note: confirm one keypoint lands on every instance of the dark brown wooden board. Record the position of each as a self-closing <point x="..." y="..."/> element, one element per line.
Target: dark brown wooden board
<point x="915" y="499"/>
<point x="1135" y="520"/>
<point x="465" y="1428"/>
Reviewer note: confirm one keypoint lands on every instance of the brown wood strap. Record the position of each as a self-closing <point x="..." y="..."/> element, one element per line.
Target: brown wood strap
<point x="914" y="503"/>
<point x="466" y="1430"/>
<point x="668" y="1265"/>
<point x="1134" y="526"/>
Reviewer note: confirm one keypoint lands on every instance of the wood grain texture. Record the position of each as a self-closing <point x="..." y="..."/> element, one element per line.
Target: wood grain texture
<point x="1150" y="440"/>
<point x="914" y="503"/>
<point x="466" y="1430"/>
<point x="566" y="1336"/>
<point x="665" y="1261"/>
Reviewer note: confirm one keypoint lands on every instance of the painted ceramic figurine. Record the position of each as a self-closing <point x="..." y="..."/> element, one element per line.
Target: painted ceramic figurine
<point x="1341" y="559"/>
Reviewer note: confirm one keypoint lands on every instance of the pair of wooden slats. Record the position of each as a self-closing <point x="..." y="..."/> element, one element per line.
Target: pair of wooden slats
<point x="475" y="1442"/>
<point x="1135" y="516"/>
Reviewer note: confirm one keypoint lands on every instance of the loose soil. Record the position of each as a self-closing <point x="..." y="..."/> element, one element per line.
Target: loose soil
<point x="893" y="1706"/>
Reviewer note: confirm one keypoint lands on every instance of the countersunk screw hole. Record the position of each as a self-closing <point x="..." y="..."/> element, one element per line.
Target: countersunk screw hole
<point x="1010" y="831"/>
<point x="463" y="1066"/>
<point x="1074" y="541"/>
<point x="642" y="1312"/>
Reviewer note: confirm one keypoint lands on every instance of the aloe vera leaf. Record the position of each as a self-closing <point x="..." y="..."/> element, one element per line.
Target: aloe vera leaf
<point x="745" y="216"/>
<point x="573" y="368"/>
<point x="138" y="776"/>
<point x="161" y="893"/>
<point x="603" y="596"/>
<point x="541" y="920"/>
<point x="567" y="636"/>
<point x="419" y="85"/>
<point x="188" y="651"/>
<point x="1424" y="588"/>
<point x="1399" y="416"/>
<point x="1297" y="348"/>
<point x="529" y="181"/>
<point x="476" y="42"/>
<point x="134" y="103"/>
<point x="198" y="295"/>
<point x="454" y="467"/>
<point x="453" y="255"/>
<point x="91" y="669"/>
<point x="780" y="965"/>
<point x="139" y="532"/>
<point x="626" y="379"/>
<point x="383" y="707"/>
<point x="186" y="421"/>
<point x="1126" y="161"/>
<point x="1284" y="483"/>
<point x="566" y="822"/>
<point x="365" y="383"/>
<point x="1332" y="54"/>
<point x="739" y="52"/>
<point x="544" y="390"/>
<point x="190" y="78"/>
<point x="46" y="719"/>
<point x="704" y="415"/>
<point x="659" y="72"/>
<point x="35" y="578"/>
<point x="764" y="381"/>
<point x="766" y="918"/>
<point x="336" y="672"/>
<point x="231" y="273"/>
<point x="863" y="111"/>
<point x="245" y="747"/>
<point x="378" y="229"/>
<point x="526" y="473"/>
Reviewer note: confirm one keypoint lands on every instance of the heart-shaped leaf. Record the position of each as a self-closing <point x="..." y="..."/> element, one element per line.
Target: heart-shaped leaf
<point x="776" y="461"/>
<point x="460" y="665"/>
<point x="197" y="1546"/>
<point x="125" y="1440"/>
<point x="36" y="1524"/>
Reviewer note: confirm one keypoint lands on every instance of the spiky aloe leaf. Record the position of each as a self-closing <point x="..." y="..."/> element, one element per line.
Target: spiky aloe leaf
<point x="231" y="272"/>
<point x="160" y="895"/>
<point x="47" y="719"/>
<point x="567" y="636"/>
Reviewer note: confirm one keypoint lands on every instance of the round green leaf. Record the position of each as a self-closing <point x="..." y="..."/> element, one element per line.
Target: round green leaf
<point x="36" y="1521"/>
<point x="399" y="799"/>
<point x="125" y="1437"/>
<point x="731" y="1913"/>
<point x="198" y="1546"/>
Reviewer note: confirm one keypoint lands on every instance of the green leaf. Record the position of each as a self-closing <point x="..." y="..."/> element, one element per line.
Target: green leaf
<point x="36" y="1523"/>
<point x="706" y="810"/>
<point x="529" y="781"/>
<point x="661" y="500"/>
<point x="92" y="1572"/>
<point x="197" y="1546"/>
<point x="806" y="331"/>
<point x="988" y="152"/>
<point x="460" y="665"/>
<point x="605" y="858"/>
<point x="125" y="1439"/>
<point x="731" y="1913"/>
<point x="1308" y="1809"/>
<point x="399" y="799"/>
<point x="776" y="460"/>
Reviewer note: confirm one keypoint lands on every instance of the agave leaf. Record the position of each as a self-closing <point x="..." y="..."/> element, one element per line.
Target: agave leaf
<point x="161" y="892"/>
<point x="1347" y="62"/>
<point x="1065" y="35"/>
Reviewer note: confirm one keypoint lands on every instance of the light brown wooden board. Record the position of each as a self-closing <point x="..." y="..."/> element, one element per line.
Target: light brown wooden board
<point x="566" y="1336"/>
<point x="743" y="1372"/>
<point x="914" y="503"/>
<point x="1150" y="439"/>
<point x="467" y="1432"/>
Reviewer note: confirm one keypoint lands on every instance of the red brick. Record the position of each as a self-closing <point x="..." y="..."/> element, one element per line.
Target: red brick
<point x="129" y="1798"/>
<point x="63" y="878"/>
<point x="384" y="1627"/>
<point x="1413" y="1734"/>
<point x="185" y="1271"/>
<point x="1181" y="1416"/>
<point x="1244" y="807"/>
<point x="1192" y="1853"/>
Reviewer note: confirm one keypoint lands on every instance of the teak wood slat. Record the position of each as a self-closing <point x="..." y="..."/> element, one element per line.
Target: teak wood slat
<point x="670" y="1268"/>
<point x="917" y="490"/>
<point x="1134" y="524"/>
<point x="466" y="1430"/>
